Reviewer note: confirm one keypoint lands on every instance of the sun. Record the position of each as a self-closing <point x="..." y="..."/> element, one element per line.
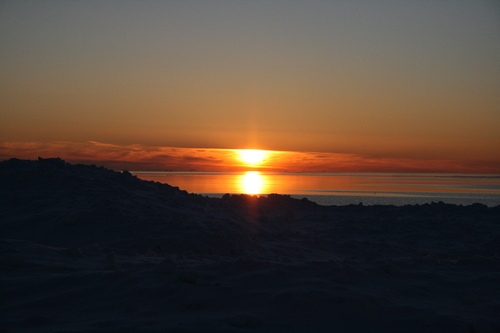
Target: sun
<point x="252" y="156"/>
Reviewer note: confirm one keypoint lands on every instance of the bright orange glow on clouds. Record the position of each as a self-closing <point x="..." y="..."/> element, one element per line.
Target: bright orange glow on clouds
<point x="141" y="157"/>
<point x="252" y="156"/>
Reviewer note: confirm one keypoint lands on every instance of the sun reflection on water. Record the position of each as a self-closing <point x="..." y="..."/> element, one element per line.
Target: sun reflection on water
<point x="251" y="182"/>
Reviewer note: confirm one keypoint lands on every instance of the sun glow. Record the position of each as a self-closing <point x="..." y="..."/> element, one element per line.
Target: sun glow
<point x="251" y="182"/>
<point x="252" y="156"/>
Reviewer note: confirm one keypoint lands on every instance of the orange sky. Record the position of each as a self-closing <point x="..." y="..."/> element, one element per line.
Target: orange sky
<point x="371" y="85"/>
<point x="140" y="157"/>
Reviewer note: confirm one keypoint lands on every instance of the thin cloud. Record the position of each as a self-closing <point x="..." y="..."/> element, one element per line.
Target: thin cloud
<point x="138" y="157"/>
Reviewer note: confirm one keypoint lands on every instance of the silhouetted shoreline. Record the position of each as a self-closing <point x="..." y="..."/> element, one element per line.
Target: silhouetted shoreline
<point x="88" y="249"/>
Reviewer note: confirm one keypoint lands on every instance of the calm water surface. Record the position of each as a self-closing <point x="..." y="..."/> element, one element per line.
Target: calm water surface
<point x="341" y="188"/>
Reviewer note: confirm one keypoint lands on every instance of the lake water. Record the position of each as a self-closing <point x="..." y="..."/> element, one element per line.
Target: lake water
<point x="341" y="188"/>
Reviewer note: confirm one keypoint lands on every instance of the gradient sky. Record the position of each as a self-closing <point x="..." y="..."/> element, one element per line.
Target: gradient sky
<point x="414" y="81"/>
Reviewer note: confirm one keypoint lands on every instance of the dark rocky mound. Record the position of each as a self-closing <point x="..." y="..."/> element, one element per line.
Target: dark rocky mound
<point x="52" y="202"/>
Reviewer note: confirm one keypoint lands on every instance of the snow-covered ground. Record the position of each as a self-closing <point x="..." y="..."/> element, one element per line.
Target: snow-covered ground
<point x="85" y="249"/>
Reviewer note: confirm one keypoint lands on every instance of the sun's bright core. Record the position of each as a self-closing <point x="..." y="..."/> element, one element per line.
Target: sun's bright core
<point x="252" y="156"/>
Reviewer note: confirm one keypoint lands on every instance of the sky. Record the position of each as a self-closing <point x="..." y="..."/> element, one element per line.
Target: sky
<point x="333" y="85"/>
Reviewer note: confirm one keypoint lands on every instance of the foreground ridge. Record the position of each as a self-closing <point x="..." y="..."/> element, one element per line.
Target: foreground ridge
<point x="104" y="249"/>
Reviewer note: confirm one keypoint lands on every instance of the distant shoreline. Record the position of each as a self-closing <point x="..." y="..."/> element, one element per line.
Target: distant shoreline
<point x="345" y="188"/>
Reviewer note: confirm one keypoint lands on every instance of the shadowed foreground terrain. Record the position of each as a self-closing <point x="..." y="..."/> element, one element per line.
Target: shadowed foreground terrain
<point x="86" y="249"/>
